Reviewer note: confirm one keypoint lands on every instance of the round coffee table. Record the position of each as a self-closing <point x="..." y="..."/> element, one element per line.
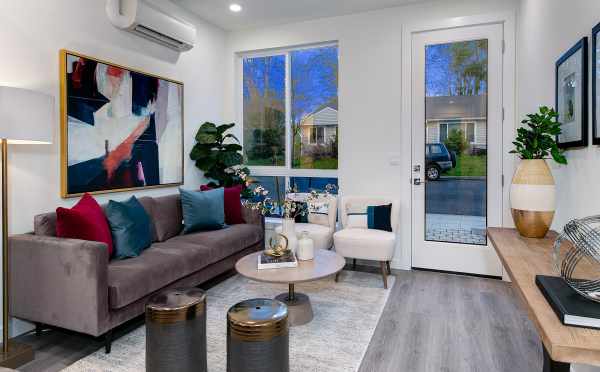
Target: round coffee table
<point x="325" y="263"/>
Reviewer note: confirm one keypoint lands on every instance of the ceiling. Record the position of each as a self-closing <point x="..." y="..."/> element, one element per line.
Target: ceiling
<point x="258" y="13"/>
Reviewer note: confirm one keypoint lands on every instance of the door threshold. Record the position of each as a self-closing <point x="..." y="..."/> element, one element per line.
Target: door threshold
<point x="458" y="273"/>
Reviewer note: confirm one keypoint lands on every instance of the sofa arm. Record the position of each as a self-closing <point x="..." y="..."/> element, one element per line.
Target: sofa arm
<point x="59" y="282"/>
<point x="253" y="217"/>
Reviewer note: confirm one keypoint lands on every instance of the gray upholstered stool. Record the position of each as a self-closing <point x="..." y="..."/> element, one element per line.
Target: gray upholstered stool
<point x="257" y="337"/>
<point x="176" y="331"/>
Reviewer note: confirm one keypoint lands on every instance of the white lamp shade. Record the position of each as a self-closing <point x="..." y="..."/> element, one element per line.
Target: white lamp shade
<point x="26" y="116"/>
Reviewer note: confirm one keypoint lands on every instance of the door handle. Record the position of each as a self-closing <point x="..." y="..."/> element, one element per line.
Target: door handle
<point x="417" y="181"/>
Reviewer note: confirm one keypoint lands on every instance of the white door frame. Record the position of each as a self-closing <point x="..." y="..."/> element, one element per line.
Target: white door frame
<point x="403" y="260"/>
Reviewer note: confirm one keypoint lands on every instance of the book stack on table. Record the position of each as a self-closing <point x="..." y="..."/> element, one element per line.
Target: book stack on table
<point x="571" y="308"/>
<point x="269" y="262"/>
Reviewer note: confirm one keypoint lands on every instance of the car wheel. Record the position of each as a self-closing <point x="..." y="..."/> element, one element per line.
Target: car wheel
<point x="432" y="172"/>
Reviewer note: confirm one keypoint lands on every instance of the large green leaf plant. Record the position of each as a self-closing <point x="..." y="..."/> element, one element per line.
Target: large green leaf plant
<point x="218" y="155"/>
<point x="536" y="139"/>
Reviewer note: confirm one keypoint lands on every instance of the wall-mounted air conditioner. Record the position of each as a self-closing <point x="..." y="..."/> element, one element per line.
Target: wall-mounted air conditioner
<point x="148" y="21"/>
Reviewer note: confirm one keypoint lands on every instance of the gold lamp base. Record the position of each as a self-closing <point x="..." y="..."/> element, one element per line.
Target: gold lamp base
<point x="17" y="355"/>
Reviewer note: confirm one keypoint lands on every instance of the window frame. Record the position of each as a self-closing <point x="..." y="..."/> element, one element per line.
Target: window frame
<point x="287" y="170"/>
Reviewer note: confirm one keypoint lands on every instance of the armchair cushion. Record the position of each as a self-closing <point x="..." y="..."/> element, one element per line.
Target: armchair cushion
<point x="366" y="244"/>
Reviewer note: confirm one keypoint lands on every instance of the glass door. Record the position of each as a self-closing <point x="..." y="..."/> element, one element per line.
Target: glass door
<point x="457" y="129"/>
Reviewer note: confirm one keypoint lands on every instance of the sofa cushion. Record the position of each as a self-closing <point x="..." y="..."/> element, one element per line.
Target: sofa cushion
<point x="224" y="242"/>
<point x="232" y="202"/>
<point x="156" y="267"/>
<point x="202" y="210"/>
<point x="167" y="217"/>
<point x="164" y="263"/>
<point x="86" y="221"/>
<point x="130" y="227"/>
<point x="148" y="204"/>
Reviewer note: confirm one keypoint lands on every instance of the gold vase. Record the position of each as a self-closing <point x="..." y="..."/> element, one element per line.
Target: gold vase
<point x="533" y="198"/>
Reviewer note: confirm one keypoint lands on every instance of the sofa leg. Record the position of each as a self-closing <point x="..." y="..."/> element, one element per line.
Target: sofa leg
<point x="384" y="273"/>
<point x="39" y="327"/>
<point x="108" y="341"/>
<point x="354" y="264"/>
<point x="389" y="268"/>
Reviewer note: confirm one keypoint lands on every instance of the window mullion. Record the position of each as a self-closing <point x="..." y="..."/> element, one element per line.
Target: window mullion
<point x="288" y="113"/>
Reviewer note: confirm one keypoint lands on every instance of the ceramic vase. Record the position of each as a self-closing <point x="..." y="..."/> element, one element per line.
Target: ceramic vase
<point x="306" y="247"/>
<point x="289" y="230"/>
<point x="533" y="198"/>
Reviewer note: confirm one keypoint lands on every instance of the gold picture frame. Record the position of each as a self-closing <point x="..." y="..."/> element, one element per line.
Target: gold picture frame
<point x="66" y="190"/>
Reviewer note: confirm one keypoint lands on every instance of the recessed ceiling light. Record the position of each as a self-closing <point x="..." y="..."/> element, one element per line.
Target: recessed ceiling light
<point x="235" y="8"/>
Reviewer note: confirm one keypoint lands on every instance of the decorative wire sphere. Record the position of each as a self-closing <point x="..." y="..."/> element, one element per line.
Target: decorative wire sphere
<point x="584" y="236"/>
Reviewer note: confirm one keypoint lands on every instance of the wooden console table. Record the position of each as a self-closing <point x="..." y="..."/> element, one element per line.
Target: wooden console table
<point x="523" y="259"/>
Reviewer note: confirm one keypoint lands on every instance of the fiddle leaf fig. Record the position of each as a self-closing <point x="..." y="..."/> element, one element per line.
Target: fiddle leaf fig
<point x="536" y="139"/>
<point x="216" y="153"/>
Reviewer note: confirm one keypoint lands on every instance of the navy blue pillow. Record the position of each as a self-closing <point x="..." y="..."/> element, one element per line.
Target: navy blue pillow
<point x="130" y="227"/>
<point x="379" y="217"/>
<point x="202" y="210"/>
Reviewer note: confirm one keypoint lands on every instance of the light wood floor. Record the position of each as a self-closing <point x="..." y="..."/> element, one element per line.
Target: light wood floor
<point x="432" y="322"/>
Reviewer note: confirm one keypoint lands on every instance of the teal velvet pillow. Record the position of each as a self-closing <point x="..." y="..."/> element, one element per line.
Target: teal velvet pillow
<point x="130" y="227"/>
<point x="202" y="210"/>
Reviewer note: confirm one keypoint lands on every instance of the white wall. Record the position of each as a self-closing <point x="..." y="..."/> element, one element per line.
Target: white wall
<point x="31" y="34"/>
<point x="370" y="108"/>
<point x="545" y="30"/>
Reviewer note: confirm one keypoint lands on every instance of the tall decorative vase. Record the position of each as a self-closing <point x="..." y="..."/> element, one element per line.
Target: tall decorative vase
<point x="289" y="230"/>
<point x="532" y="198"/>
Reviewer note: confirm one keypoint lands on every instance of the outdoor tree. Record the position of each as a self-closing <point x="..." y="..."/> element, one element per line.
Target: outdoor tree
<point x="456" y="141"/>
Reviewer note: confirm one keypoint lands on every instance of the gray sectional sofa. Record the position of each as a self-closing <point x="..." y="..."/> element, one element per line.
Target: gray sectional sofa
<point x="72" y="284"/>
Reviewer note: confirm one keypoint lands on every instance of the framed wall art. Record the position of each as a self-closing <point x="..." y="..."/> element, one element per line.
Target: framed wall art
<point x="571" y="95"/>
<point x="121" y="129"/>
<point x="595" y="84"/>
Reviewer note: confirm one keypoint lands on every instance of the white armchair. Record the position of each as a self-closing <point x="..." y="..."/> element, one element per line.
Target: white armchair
<point x="357" y="241"/>
<point x="320" y="226"/>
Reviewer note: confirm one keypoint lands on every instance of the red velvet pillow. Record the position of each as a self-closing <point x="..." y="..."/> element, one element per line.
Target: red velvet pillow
<point x="86" y="221"/>
<point x="232" y="202"/>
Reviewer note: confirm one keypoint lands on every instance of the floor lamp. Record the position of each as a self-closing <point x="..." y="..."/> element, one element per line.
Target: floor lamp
<point x="25" y="118"/>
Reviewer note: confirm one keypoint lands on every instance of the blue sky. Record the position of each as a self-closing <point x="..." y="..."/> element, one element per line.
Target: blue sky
<point x="313" y="72"/>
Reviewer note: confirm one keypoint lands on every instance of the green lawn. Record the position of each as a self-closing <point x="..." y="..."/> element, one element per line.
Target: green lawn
<point x="307" y="162"/>
<point x="469" y="165"/>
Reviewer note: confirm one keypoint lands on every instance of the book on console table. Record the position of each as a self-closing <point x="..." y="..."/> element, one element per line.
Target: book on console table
<point x="269" y="262"/>
<point x="571" y="308"/>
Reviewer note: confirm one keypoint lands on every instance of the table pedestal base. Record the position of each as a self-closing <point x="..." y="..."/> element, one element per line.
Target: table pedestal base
<point x="299" y="307"/>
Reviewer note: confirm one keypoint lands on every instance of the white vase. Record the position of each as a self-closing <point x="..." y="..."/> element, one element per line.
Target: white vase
<point x="306" y="247"/>
<point x="532" y="198"/>
<point x="289" y="231"/>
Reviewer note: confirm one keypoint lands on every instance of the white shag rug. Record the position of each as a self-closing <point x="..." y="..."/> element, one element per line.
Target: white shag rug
<point x="345" y="316"/>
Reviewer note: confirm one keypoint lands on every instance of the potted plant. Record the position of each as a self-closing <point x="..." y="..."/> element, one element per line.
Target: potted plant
<point x="290" y="208"/>
<point x="532" y="192"/>
<point x="218" y="155"/>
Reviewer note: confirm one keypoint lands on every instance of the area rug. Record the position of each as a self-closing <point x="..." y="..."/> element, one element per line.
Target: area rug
<point x="345" y="316"/>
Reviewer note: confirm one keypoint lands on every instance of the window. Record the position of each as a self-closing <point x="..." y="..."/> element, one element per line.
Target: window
<point x="289" y="113"/>
<point x="471" y="132"/>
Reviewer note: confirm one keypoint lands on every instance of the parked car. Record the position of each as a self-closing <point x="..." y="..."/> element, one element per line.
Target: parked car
<point x="438" y="159"/>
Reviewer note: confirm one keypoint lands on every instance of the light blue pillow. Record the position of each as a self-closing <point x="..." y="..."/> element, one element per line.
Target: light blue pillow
<point x="202" y="210"/>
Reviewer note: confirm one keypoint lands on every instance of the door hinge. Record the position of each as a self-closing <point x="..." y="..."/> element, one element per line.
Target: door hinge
<point x="502" y="114"/>
<point x="502" y="180"/>
<point x="503" y="46"/>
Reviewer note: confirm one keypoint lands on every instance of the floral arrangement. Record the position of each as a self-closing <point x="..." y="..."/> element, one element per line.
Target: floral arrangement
<point x="289" y="207"/>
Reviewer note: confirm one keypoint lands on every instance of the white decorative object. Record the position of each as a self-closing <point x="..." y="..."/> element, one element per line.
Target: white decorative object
<point x="306" y="247"/>
<point x="289" y="230"/>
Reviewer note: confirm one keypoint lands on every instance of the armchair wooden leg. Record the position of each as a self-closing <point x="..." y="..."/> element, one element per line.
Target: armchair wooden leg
<point x="389" y="268"/>
<point x="384" y="273"/>
<point x="337" y="277"/>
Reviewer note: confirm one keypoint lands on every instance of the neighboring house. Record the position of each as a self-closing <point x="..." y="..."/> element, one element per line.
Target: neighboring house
<point x="319" y="129"/>
<point x="466" y="113"/>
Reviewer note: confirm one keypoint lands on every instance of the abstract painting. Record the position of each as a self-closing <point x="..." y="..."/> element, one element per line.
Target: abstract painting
<point x="121" y="129"/>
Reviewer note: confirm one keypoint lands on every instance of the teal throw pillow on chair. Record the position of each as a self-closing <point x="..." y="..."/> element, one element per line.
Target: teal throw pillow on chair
<point x="130" y="227"/>
<point x="202" y="210"/>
